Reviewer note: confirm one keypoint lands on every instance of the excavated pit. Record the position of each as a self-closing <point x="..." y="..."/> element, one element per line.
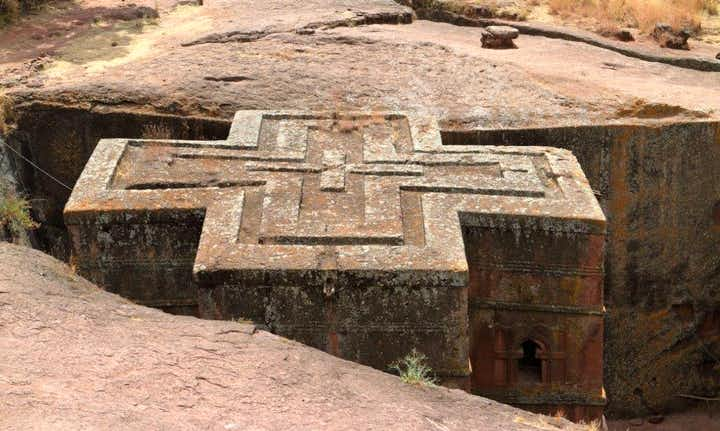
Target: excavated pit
<point x="656" y="184"/>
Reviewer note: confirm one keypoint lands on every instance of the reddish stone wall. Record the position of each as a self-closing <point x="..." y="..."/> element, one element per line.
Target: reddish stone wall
<point x="146" y="257"/>
<point x="545" y="288"/>
<point x="658" y="185"/>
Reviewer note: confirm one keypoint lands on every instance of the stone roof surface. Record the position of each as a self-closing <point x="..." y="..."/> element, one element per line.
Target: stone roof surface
<point x="347" y="192"/>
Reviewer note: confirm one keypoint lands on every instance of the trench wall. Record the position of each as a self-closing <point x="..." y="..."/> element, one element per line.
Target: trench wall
<point x="61" y="140"/>
<point x="660" y="189"/>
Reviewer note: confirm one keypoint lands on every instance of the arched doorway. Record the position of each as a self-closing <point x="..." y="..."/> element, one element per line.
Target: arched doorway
<point x="530" y="363"/>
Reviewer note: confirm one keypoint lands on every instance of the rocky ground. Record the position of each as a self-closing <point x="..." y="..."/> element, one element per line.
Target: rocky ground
<point x="226" y="55"/>
<point x="700" y="419"/>
<point x="75" y="357"/>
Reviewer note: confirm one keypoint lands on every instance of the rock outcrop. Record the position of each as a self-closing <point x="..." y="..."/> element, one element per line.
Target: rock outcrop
<point x="75" y="357"/>
<point x="499" y="36"/>
<point x="668" y="37"/>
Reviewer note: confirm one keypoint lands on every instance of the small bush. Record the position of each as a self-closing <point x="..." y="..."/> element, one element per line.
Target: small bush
<point x="15" y="213"/>
<point x="414" y="370"/>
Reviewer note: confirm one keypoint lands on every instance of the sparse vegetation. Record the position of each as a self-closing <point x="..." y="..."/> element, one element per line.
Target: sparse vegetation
<point x="14" y="213"/>
<point x="5" y="112"/>
<point x="156" y="131"/>
<point x="592" y="426"/>
<point x="641" y="14"/>
<point x="414" y="370"/>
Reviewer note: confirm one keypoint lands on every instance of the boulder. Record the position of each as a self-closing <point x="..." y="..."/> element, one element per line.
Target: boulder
<point x="499" y="36"/>
<point x="668" y="37"/>
<point x="625" y="35"/>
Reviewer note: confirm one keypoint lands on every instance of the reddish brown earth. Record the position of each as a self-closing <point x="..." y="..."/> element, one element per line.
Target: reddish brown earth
<point x="75" y="357"/>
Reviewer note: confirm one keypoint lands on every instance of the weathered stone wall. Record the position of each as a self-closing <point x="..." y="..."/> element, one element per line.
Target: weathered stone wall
<point x="660" y="189"/>
<point x="545" y="287"/>
<point x="161" y="245"/>
<point x="60" y="140"/>
<point x="370" y="321"/>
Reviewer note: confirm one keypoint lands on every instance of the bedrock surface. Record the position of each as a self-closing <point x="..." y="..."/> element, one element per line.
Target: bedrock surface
<point x="72" y="355"/>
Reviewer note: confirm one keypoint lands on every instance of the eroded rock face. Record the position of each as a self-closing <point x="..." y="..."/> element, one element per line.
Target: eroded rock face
<point x="75" y="357"/>
<point x="349" y="232"/>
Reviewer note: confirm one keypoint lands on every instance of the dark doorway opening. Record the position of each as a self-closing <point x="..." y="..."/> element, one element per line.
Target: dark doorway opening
<point x="530" y="365"/>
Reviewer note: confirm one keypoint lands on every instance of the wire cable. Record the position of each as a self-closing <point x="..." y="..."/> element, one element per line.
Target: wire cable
<point x="34" y="165"/>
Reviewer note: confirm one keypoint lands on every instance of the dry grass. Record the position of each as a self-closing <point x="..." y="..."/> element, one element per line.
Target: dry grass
<point x="6" y="113"/>
<point x="14" y="213"/>
<point x="592" y="426"/>
<point x="642" y="14"/>
<point x="156" y="131"/>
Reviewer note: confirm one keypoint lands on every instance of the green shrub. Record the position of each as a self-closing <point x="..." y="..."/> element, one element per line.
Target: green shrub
<point x="414" y="370"/>
<point x="15" y="213"/>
